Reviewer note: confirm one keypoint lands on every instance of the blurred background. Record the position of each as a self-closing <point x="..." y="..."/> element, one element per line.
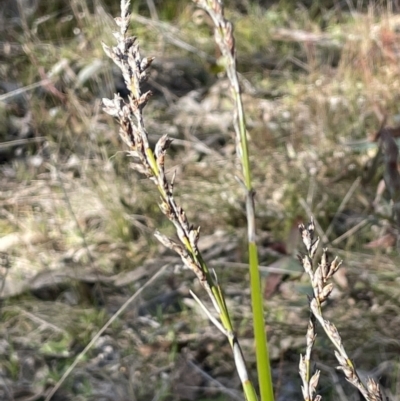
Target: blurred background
<point x="320" y="80"/>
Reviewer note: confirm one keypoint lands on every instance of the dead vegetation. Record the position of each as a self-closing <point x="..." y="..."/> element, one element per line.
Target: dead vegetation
<point x="76" y="224"/>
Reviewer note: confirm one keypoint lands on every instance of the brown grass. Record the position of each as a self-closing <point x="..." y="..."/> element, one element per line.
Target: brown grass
<point x="312" y="123"/>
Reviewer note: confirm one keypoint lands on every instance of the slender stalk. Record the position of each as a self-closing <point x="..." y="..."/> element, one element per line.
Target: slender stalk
<point x="226" y="42"/>
<point x="151" y="163"/>
<point x="319" y="278"/>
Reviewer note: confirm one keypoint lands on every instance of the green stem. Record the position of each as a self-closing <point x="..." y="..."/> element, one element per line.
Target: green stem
<point x="262" y="354"/>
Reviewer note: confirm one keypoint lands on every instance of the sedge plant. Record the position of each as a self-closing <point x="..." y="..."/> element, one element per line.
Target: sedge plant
<point x="224" y="38"/>
<point x="151" y="163"/>
<point x="320" y="274"/>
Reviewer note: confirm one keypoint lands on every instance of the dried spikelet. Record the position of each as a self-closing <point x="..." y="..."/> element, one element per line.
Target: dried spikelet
<point x="321" y="292"/>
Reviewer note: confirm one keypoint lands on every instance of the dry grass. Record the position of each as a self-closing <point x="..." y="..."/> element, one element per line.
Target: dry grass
<point x="73" y="215"/>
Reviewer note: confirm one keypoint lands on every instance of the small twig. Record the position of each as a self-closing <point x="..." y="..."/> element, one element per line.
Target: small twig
<point x="41" y="321"/>
<point x="170" y="34"/>
<point x="343" y="204"/>
<point x="351" y="231"/>
<point x="18" y="142"/>
<point x="25" y="89"/>
<point x="102" y="330"/>
<point x="234" y="394"/>
<point x="152" y="8"/>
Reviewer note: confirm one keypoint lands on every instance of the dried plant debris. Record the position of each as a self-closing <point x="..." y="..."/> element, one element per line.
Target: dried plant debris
<point x="391" y="175"/>
<point x="51" y="78"/>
